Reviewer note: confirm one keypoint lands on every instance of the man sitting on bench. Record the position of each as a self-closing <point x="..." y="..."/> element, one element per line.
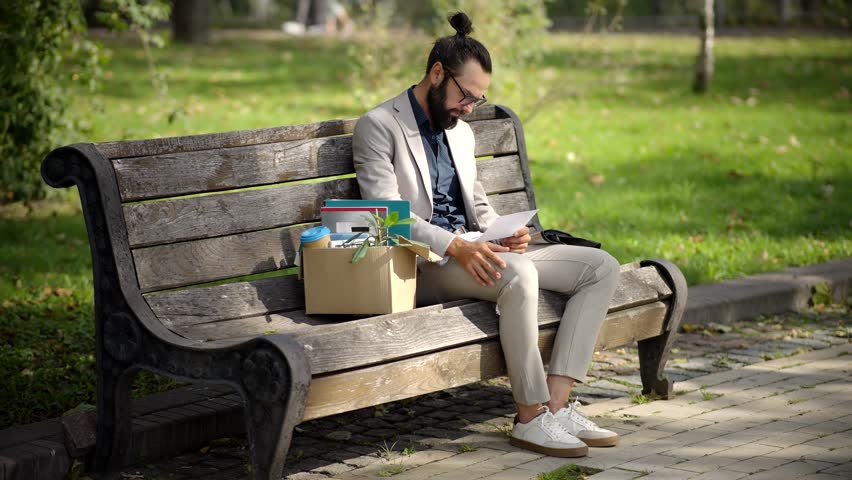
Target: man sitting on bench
<point x="414" y="147"/>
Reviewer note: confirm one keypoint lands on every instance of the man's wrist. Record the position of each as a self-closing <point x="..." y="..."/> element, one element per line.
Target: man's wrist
<point x="453" y="247"/>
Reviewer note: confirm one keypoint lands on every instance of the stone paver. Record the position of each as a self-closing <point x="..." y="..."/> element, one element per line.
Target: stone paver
<point x="615" y="474"/>
<point x="783" y="418"/>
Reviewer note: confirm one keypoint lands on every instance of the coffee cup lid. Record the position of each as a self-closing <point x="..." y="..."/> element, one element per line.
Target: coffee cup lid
<point x="314" y="234"/>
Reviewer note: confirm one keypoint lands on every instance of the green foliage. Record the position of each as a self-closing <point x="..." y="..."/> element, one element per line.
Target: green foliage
<point x="569" y="472"/>
<point x="391" y="470"/>
<point x="821" y="294"/>
<point x="46" y="51"/>
<point x="380" y="228"/>
<point x="597" y="11"/>
<point x="514" y="32"/>
<point x="708" y="395"/>
<point x="44" y="47"/>
<point x="381" y="61"/>
<point x="139" y="18"/>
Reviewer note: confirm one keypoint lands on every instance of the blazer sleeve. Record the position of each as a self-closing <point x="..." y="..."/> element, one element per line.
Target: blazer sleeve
<point x="373" y="154"/>
<point x="484" y="211"/>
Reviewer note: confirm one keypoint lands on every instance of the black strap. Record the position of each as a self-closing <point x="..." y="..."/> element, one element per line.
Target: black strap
<point x="564" y="238"/>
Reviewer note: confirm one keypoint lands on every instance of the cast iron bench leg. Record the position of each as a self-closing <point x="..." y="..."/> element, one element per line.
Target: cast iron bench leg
<point x="271" y="373"/>
<point x="654" y="352"/>
<point x="275" y="387"/>
<point x="112" y="448"/>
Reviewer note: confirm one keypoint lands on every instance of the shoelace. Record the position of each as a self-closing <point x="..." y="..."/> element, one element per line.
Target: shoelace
<point x="552" y="426"/>
<point x="580" y="418"/>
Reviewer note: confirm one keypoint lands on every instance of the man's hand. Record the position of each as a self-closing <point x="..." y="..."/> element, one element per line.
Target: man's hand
<point x="519" y="241"/>
<point x="478" y="259"/>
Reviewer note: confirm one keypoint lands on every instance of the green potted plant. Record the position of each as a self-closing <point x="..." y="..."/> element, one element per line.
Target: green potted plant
<point x="381" y="238"/>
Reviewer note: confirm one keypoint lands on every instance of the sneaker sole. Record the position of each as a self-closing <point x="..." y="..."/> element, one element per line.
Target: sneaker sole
<point x="553" y="452"/>
<point x="600" y="442"/>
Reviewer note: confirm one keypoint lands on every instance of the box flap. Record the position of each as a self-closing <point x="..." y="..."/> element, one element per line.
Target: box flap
<point x="420" y="249"/>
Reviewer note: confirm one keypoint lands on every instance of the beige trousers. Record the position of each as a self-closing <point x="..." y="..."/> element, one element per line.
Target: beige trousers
<point x="589" y="275"/>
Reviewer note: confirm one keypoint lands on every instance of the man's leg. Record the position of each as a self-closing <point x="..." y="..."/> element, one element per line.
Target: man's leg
<point x="516" y="294"/>
<point x="590" y="276"/>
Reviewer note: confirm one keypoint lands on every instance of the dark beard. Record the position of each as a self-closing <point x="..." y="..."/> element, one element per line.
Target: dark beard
<point x="436" y="97"/>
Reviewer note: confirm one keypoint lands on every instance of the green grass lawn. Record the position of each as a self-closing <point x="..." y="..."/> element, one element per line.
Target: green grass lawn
<point x="755" y="176"/>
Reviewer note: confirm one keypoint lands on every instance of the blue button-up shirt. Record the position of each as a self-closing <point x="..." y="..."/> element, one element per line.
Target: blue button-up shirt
<point x="447" y="204"/>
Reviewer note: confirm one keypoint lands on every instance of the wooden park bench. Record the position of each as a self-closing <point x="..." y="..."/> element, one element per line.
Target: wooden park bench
<point x="167" y="216"/>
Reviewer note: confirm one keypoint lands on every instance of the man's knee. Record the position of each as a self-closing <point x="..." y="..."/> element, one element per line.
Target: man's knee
<point x="608" y="268"/>
<point x="520" y="274"/>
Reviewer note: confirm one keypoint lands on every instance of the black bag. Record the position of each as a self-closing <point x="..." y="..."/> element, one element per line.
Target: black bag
<point x="559" y="237"/>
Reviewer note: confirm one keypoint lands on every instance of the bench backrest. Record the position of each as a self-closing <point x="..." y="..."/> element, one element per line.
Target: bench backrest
<point x="221" y="206"/>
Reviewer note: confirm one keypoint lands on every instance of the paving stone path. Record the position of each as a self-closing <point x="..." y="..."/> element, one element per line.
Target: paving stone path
<point x="765" y="398"/>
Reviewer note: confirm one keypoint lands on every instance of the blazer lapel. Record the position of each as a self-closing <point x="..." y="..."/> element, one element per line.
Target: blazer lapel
<point x="405" y="117"/>
<point x="462" y="150"/>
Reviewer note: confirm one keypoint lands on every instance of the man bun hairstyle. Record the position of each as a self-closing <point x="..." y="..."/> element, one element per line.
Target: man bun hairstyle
<point x="461" y="23"/>
<point x="454" y="51"/>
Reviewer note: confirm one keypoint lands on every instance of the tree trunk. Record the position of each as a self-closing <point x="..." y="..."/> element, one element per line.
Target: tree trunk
<point x="261" y="12"/>
<point x="721" y="12"/>
<point x="811" y="11"/>
<point x="742" y="11"/>
<point x="191" y="21"/>
<point x="704" y="66"/>
<point x="785" y="12"/>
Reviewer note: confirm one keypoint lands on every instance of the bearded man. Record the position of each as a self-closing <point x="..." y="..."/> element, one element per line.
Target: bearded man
<point x="414" y="147"/>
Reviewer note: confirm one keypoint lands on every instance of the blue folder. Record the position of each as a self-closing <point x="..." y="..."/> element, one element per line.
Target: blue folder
<point x="402" y="207"/>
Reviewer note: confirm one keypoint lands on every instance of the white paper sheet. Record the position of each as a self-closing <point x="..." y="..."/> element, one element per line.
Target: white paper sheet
<point x="504" y="226"/>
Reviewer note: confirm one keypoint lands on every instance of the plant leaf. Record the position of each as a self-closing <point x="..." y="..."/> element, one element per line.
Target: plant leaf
<point x="392" y="219"/>
<point x="405" y="221"/>
<point x="361" y="252"/>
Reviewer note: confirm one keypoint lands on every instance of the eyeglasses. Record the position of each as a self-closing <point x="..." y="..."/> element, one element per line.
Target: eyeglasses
<point x="467" y="99"/>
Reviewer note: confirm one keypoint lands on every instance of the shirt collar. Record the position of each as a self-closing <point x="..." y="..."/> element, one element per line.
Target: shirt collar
<point x="419" y="115"/>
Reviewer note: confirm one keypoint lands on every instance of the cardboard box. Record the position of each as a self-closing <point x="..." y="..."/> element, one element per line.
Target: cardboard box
<point x="384" y="281"/>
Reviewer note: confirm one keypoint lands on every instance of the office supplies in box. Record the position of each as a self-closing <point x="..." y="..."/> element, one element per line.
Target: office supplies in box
<point x="384" y="281"/>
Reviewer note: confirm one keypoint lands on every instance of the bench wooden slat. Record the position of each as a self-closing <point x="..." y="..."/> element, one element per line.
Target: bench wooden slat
<point x="162" y="146"/>
<point x="190" y="143"/>
<point x="196" y="306"/>
<point x="485" y="112"/>
<point x="210" y="259"/>
<point x="494" y="137"/>
<point x="346" y="391"/>
<point x="217" y="169"/>
<point x="233" y="300"/>
<point x="356" y="343"/>
<point x="510" y="203"/>
<point x="185" y="263"/>
<point x="500" y="174"/>
<point x="190" y="218"/>
<point x="183" y="173"/>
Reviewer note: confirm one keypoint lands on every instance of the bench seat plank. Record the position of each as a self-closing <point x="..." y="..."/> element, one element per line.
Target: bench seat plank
<point x="343" y="345"/>
<point x="196" y="306"/>
<point x="350" y="390"/>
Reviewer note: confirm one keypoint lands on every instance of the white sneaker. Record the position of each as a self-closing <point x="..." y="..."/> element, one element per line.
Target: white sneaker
<point x="583" y="428"/>
<point x="293" y="28"/>
<point x="544" y="434"/>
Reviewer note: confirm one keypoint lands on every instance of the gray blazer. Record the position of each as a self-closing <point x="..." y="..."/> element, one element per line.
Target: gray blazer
<point x="391" y="164"/>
